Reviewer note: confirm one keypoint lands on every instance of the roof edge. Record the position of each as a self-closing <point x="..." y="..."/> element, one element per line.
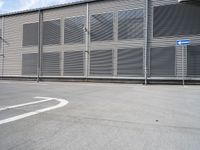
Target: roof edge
<point x="49" y="7"/>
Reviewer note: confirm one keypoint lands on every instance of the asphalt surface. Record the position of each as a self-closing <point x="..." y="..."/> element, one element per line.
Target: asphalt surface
<point x="101" y="117"/>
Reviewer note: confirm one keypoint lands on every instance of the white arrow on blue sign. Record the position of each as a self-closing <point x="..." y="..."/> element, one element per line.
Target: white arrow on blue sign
<point x="183" y="42"/>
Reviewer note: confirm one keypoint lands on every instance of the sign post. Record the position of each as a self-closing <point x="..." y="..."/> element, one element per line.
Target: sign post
<point x="183" y="43"/>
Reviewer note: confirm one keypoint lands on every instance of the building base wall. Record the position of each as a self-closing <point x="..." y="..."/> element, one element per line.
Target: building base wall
<point x="105" y="80"/>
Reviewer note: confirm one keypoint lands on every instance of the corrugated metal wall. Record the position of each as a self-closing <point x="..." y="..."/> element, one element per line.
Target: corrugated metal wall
<point x="13" y="43"/>
<point x="193" y="60"/>
<point x="170" y="21"/>
<point x="107" y="40"/>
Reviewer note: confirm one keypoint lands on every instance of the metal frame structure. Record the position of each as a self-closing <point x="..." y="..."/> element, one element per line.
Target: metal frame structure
<point x="147" y="42"/>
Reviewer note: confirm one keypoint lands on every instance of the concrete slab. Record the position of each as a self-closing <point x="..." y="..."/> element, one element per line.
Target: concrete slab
<point x="103" y="116"/>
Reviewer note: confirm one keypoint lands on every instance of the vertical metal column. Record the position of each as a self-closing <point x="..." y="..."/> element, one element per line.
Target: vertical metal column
<point x="115" y="50"/>
<point x="146" y="39"/>
<point x="40" y="45"/>
<point x="62" y="42"/>
<point x="183" y="66"/>
<point x="87" y="42"/>
<point x="2" y="45"/>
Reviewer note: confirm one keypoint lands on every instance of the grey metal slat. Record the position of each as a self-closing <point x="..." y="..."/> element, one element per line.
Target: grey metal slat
<point x="193" y="61"/>
<point x="51" y="32"/>
<point x="162" y="61"/>
<point x="176" y="20"/>
<point x="51" y="64"/>
<point x="101" y="63"/>
<point x="29" y="64"/>
<point x="30" y="34"/>
<point x="74" y="30"/>
<point x="102" y="27"/>
<point x="74" y="63"/>
<point x="130" y="24"/>
<point x="130" y="62"/>
<point x="1" y="40"/>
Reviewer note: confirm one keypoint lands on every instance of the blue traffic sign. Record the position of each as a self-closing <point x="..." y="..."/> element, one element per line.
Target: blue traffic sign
<point x="183" y="42"/>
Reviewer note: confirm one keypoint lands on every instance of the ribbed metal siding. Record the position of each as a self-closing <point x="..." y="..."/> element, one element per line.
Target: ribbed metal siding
<point x="74" y="63"/>
<point x="51" y="64"/>
<point x="29" y="64"/>
<point x="30" y="34"/>
<point x="130" y="24"/>
<point x="51" y="32"/>
<point x="74" y="30"/>
<point x="1" y="40"/>
<point x="162" y="61"/>
<point x="130" y="62"/>
<point x="102" y="27"/>
<point x="14" y="26"/>
<point x="101" y="62"/>
<point x="13" y="42"/>
<point x="176" y="20"/>
<point x="193" y="60"/>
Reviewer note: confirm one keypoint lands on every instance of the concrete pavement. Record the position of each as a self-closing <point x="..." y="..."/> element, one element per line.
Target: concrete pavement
<point x="102" y="116"/>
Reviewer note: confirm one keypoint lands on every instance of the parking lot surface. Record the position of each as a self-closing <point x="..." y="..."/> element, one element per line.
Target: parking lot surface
<point x="99" y="116"/>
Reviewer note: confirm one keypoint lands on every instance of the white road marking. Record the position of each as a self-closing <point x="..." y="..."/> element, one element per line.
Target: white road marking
<point x="25" y="104"/>
<point x="62" y="103"/>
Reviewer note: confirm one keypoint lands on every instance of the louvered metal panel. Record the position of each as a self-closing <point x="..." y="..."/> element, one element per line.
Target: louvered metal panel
<point x="162" y="61"/>
<point x="51" y="64"/>
<point x="123" y="13"/>
<point x="51" y="32"/>
<point x="13" y="42"/>
<point x="1" y="40"/>
<point x="101" y="27"/>
<point x="130" y="62"/>
<point x="193" y="61"/>
<point x="74" y="63"/>
<point x="30" y="34"/>
<point x="29" y="64"/>
<point x="74" y="30"/>
<point x="130" y="24"/>
<point x="101" y="63"/>
<point x="176" y="20"/>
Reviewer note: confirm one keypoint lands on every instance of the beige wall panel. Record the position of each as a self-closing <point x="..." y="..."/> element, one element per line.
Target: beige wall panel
<point x="13" y="47"/>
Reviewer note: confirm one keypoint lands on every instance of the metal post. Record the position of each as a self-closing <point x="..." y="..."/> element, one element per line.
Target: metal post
<point x="40" y="45"/>
<point x="146" y="39"/>
<point x="2" y="45"/>
<point x="87" y="40"/>
<point x="183" y="66"/>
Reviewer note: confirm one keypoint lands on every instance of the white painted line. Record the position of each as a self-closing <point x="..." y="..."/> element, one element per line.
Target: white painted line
<point x="62" y="103"/>
<point x="25" y="104"/>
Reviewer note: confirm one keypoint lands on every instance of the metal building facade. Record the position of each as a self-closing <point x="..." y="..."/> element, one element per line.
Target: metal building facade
<point x="112" y="39"/>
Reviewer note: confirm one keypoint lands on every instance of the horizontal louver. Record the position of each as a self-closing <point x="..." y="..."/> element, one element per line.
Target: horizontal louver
<point x="74" y="30"/>
<point x="30" y="34"/>
<point x="1" y="39"/>
<point x="102" y="27"/>
<point x="130" y="62"/>
<point x="193" y="61"/>
<point x="130" y="24"/>
<point x="176" y="20"/>
<point x="162" y="61"/>
<point x="51" y="32"/>
<point x="101" y="63"/>
<point x="51" y="64"/>
<point x="29" y="64"/>
<point x="74" y="63"/>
